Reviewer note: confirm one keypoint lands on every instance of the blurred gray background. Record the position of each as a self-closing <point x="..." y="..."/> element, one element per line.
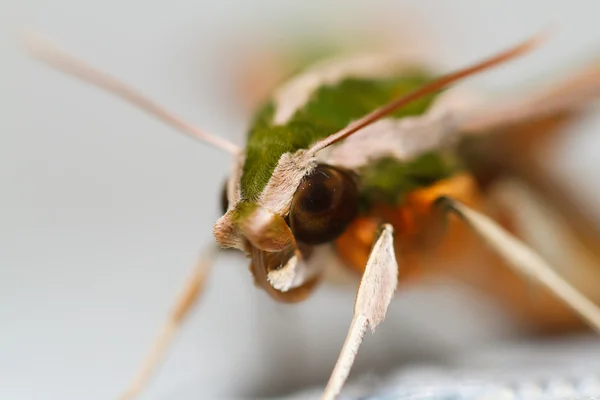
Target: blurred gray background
<point x="103" y="209"/>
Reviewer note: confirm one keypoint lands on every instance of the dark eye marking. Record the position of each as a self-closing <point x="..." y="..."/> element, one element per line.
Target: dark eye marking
<point x="224" y="199"/>
<point x="318" y="198"/>
<point x="323" y="205"/>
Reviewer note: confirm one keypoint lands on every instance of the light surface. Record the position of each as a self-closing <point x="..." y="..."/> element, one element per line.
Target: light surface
<point x="103" y="209"/>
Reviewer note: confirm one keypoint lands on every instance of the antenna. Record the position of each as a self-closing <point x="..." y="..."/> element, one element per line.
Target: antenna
<point x="51" y="55"/>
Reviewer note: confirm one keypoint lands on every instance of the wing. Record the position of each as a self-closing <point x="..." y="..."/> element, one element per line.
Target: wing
<point x="505" y="158"/>
<point x="509" y="148"/>
<point x="261" y="67"/>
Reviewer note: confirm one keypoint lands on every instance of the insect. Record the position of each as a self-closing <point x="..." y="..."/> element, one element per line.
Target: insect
<point x="369" y="159"/>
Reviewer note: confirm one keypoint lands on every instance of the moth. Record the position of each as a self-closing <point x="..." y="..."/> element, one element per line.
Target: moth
<point x="376" y="164"/>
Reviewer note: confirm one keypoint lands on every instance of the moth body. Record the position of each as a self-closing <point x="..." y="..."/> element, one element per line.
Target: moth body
<point x="313" y="200"/>
<point x="402" y="177"/>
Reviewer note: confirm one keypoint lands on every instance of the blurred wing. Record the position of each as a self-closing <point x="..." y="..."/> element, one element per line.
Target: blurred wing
<point x="503" y="153"/>
<point x="270" y="62"/>
<point x="551" y="230"/>
<point x="525" y="260"/>
<point x="512" y="131"/>
<point x="271" y="65"/>
<point x="564" y="99"/>
<point x="532" y="218"/>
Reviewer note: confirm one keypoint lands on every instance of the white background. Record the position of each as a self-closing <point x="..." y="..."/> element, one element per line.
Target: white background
<point x="102" y="209"/>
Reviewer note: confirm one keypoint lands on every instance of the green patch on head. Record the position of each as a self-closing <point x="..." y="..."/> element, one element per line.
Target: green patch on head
<point x="329" y="109"/>
<point x="388" y="180"/>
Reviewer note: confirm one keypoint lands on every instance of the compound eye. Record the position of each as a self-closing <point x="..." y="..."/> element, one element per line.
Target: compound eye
<point x="224" y="200"/>
<point x="324" y="204"/>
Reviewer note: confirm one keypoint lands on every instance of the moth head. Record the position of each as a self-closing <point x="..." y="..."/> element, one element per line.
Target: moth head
<point x="320" y="208"/>
<point x="323" y="204"/>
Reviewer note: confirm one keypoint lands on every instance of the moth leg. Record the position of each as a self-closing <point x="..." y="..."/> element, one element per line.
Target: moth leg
<point x="375" y="293"/>
<point x="187" y="299"/>
<point x="524" y="259"/>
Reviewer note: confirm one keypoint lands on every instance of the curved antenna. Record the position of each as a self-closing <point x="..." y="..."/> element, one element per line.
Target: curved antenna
<point x="429" y="88"/>
<point x="51" y="55"/>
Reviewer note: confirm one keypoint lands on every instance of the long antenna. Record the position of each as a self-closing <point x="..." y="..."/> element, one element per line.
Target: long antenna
<point x="64" y="62"/>
<point x="429" y="88"/>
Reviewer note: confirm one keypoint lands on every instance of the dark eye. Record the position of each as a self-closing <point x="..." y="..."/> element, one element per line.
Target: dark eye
<point x="323" y="205"/>
<point x="224" y="200"/>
